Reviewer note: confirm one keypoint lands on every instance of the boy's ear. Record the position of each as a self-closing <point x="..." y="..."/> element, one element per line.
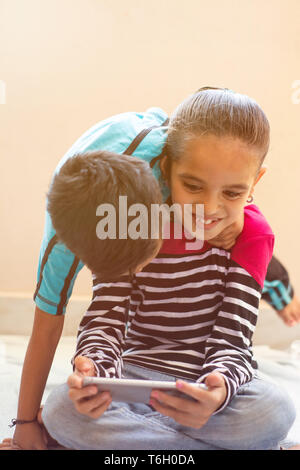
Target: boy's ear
<point x="162" y="166"/>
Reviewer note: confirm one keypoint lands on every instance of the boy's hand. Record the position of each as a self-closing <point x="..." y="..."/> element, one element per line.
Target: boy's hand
<point x="227" y="238"/>
<point x="87" y="400"/>
<point x="187" y="412"/>
<point x="290" y="314"/>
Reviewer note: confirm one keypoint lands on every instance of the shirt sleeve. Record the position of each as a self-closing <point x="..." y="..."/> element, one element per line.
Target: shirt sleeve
<point x="229" y="347"/>
<point x="101" y="333"/>
<point x="58" y="268"/>
<point x="277" y="290"/>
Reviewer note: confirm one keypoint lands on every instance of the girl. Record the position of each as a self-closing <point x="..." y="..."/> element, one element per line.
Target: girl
<point x="192" y="312"/>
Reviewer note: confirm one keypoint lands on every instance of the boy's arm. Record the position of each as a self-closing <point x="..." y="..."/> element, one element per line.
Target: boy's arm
<point x="58" y="268"/>
<point x="277" y="291"/>
<point x="38" y="360"/>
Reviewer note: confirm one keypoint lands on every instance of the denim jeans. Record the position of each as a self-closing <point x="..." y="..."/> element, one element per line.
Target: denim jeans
<point x="257" y="418"/>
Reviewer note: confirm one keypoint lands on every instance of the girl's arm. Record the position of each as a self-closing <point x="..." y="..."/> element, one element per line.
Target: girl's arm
<point x="229" y="347"/>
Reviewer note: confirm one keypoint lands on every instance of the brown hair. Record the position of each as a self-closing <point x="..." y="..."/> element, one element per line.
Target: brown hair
<point x="220" y="112"/>
<point x="83" y="183"/>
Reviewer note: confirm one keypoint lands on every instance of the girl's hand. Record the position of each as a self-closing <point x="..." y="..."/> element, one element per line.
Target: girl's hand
<point x="87" y="400"/>
<point x="227" y="238"/>
<point x="187" y="412"/>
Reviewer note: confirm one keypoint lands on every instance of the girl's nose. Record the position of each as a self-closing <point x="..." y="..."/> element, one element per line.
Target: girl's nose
<point x="211" y="206"/>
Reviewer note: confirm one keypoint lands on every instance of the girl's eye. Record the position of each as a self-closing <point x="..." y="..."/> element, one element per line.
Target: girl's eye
<point x="191" y="187"/>
<point x="232" y="195"/>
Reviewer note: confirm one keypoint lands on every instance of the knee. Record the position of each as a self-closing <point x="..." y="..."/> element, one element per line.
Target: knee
<point x="282" y="415"/>
<point x="266" y="419"/>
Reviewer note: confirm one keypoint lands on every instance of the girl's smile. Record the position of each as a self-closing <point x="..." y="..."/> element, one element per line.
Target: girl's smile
<point x="208" y="223"/>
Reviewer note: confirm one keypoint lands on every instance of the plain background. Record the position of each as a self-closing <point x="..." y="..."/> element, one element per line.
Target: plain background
<point x="67" y="64"/>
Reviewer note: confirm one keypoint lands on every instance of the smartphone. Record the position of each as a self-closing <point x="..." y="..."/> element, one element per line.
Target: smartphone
<point x="135" y="391"/>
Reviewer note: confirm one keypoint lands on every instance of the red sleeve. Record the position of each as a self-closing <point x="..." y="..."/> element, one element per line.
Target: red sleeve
<point x="254" y="246"/>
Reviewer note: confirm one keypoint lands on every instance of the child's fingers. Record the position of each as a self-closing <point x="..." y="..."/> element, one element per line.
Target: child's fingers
<point x="163" y="408"/>
<point x="192" y="390"/>
<point x="75" y="381"/>
<point x="289" y="317"/>
<point x="182" y="417"/>
<point x="182" y="403"/>
<point x="77" y="394"/>
<point x="192" y="413"/>
<point x="286" y="319"/>
<point x="7" y="444"/>
<point x="6" y="440"/>
<point x="295" y="304"/>
<point x="84" y="366"/>
<point x="98" y="411"/>
<point x="170" y="401"/>
<point x="94" y="407"/>
<point x="214" y="380"/>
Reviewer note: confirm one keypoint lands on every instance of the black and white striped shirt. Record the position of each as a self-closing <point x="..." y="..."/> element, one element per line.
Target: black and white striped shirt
<point x="189" y="312"/>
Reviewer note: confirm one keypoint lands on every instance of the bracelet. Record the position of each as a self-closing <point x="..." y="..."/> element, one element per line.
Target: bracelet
<point x="21" y="421"/>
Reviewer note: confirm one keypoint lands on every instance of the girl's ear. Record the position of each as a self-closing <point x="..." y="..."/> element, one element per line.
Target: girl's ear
<point x="261" y="172"/>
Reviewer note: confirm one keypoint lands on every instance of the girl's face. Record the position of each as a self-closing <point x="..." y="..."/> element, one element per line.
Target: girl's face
<point x="219" y="172"/>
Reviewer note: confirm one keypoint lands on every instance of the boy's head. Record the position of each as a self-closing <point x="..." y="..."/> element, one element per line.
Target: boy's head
<point x="84" y="183"/>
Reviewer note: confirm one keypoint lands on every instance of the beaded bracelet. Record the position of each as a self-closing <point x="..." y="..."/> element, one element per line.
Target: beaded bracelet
<point x="21" y="421"/>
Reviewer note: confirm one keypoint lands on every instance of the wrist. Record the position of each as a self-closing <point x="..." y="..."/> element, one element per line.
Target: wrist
<point x="17" y="421"/>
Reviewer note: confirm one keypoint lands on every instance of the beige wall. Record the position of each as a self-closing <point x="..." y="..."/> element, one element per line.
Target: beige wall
<point x="69" y="63"/>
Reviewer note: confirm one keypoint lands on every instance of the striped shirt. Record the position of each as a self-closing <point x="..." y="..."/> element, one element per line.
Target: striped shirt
<point x="187" y="313"/>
